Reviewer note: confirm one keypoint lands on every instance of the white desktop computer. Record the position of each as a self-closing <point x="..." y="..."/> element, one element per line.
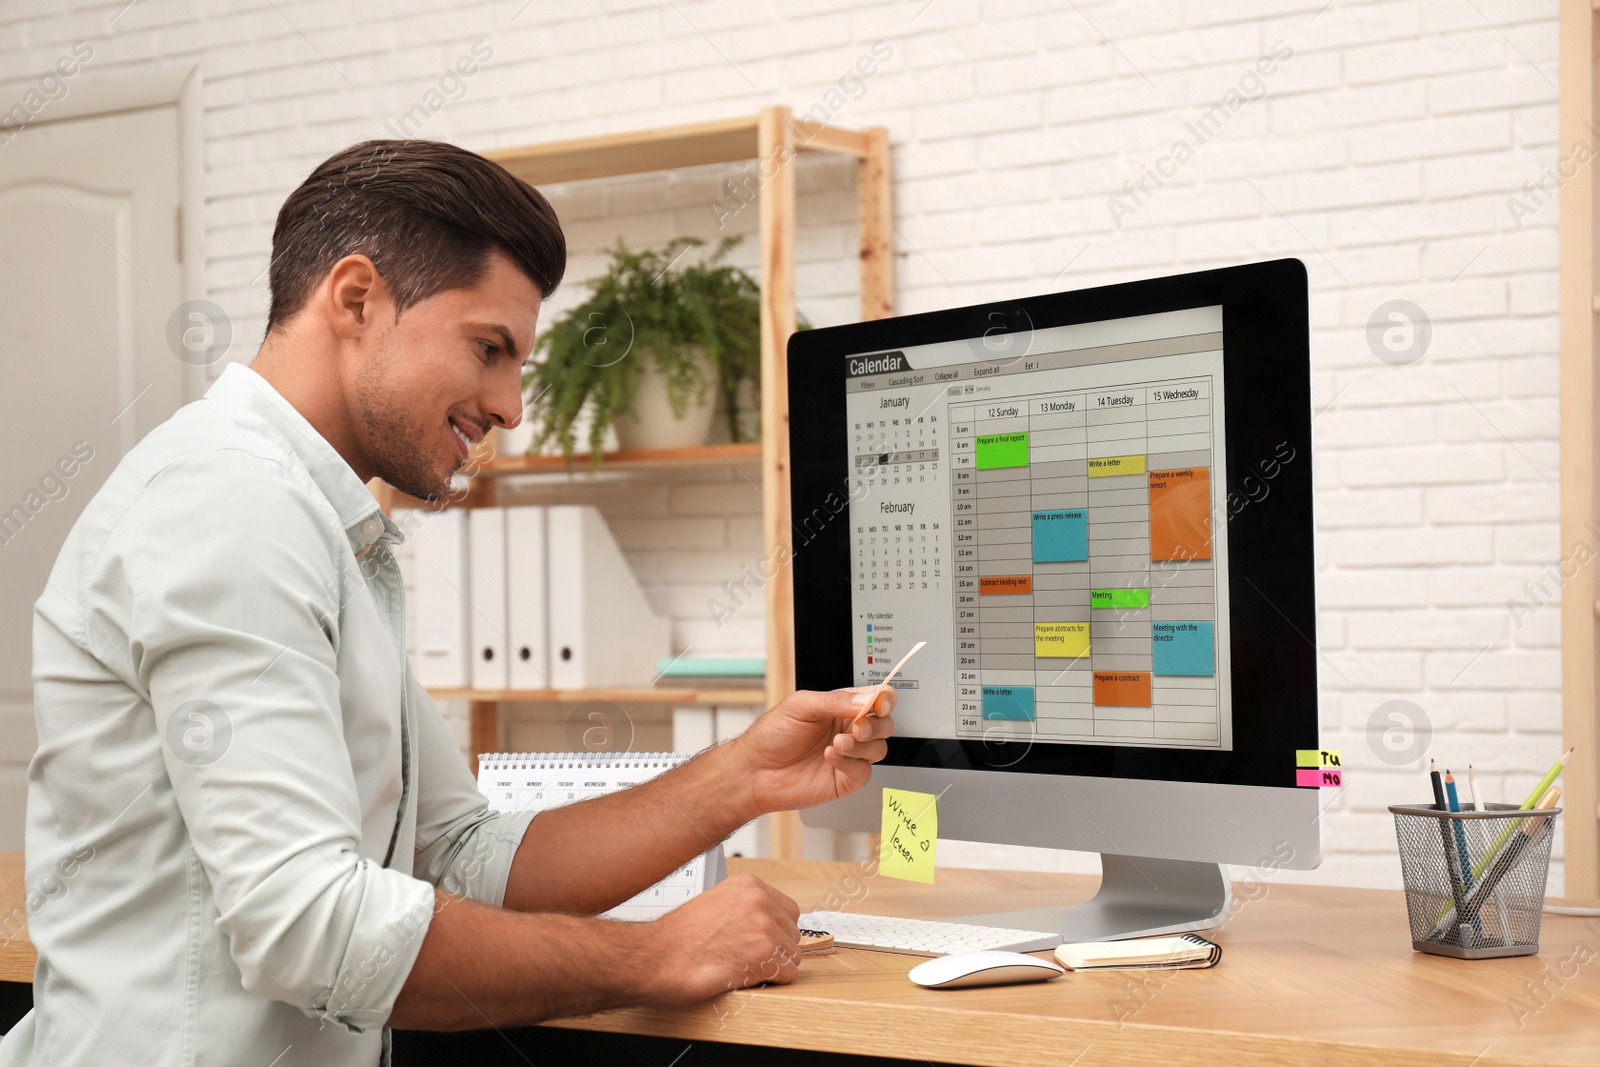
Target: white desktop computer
<point x="1096" y="509"/>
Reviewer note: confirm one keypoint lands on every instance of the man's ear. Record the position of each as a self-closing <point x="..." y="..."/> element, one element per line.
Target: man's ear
<point x="355" y="297"/>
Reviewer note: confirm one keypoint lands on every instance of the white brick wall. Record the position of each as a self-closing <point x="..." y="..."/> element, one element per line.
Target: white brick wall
<point x="1383" y="154"/>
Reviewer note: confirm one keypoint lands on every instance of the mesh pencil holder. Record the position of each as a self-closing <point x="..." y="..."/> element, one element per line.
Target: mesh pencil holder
<point x="1474" y="880"/>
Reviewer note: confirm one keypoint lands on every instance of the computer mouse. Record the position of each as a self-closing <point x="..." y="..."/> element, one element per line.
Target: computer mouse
<point x="966" y="969"/>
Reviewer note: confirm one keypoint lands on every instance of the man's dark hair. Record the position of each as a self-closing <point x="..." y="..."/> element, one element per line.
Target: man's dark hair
<point x="426" y="213"/>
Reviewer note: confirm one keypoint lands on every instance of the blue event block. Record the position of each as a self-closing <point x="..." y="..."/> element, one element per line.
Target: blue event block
<point x="1060" y="536"/>
<point x="1184" y="648"/>
<point x="1008" y="702"/>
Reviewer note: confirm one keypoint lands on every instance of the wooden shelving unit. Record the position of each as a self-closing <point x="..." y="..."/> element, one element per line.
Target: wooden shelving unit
<point x="1579" y="440"/>
<point x="773" y="138"/>
<point x="745" y="452"/>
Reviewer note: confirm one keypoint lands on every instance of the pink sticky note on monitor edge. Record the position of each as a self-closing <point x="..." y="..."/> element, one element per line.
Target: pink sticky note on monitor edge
<point x="1319" y="777"/>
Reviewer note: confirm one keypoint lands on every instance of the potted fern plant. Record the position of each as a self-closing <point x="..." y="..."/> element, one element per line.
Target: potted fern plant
<point x="652" y="351"/>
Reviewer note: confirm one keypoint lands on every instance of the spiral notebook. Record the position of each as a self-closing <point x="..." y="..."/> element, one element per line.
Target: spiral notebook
<point x="539" y="781"/>
<point x="1184" y="952"/>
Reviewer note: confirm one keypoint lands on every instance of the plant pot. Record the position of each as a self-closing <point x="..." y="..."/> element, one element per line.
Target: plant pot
<point x="653" y="423"/>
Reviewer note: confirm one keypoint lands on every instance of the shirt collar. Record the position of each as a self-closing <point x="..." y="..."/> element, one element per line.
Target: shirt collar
<point x="358" y="511"/>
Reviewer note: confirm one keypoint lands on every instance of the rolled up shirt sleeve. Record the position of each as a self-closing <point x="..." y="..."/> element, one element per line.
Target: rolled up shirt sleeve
<point x="462" y="847"/>
<point x="236" y="634"/>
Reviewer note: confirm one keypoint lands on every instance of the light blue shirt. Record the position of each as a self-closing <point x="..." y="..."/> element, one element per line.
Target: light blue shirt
<point x="241" y="801"/>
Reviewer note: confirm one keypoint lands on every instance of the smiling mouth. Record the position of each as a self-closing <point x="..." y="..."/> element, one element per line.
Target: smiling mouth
<point x="465" y="439"/>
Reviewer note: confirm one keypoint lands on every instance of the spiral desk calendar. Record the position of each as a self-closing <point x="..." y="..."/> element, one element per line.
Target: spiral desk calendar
<point x="539" y="781"/>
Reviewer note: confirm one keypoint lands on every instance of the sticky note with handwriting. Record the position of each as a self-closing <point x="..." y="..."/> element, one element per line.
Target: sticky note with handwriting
<point x="910" y="835"/>
<point x="1319" y="777"/>
<point x="1317" y="757"/>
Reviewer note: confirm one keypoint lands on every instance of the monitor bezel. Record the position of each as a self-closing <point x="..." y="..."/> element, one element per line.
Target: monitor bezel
<point x="1268" y="501"/>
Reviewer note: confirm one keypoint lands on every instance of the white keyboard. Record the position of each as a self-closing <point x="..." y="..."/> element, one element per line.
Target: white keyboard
<point x="923" y="937"/>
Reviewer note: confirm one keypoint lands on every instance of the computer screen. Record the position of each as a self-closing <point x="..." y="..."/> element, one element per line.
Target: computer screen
<point x="1095" y="507"/>
<point x="1043" y="520"/>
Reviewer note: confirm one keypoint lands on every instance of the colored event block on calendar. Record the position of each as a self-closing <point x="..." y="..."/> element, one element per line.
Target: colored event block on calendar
<point x="1060" y="536"/>
<point x="1122" y="689"/>
<point x="997" y="450"/>
<point x="1008" y="702"/>
<point x="1111" y="466"/>
<point x="1006" y="584"/>
<point x="1183" y="648"/>
<point x="1180" y="514"/>
<point x="1119" y="598"/>
<point x="1060" y="640"/>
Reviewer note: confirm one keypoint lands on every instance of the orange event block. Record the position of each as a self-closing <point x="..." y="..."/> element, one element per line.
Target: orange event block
<point x="1122" y="689"/>
<point x="1006" y="585"/>
<point x="1180" y="514"/>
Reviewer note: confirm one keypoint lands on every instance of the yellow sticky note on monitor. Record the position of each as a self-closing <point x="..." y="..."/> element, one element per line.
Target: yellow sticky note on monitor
<point x="910" y="835"/>
<point x="1317" y="757"/>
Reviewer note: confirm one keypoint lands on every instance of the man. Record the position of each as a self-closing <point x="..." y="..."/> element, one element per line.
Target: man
<point x="250" y="835"/>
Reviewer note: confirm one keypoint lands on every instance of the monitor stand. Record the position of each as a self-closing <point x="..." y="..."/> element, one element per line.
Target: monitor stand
<point x="1138" y="897"/>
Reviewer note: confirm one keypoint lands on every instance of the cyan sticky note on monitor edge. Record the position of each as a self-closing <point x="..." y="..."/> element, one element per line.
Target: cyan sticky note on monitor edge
<point x="1182" y="648"/>
<point x="1008" y="702"/>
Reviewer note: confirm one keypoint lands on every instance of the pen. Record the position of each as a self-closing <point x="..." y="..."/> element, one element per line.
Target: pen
<point x="1480" y="833"/>
<point x="873" y="700"/>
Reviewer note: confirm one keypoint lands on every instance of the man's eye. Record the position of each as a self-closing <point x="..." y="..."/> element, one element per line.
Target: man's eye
<point x="489" y="348"/>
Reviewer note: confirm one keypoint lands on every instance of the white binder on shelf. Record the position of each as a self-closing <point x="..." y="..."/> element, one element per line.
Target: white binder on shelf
<point x="693" y="729"/>
<point x="487" y="612"/>
<point x="603" y="631"/>
<point x="527" y="598"/>
<point x="440" y="558"/>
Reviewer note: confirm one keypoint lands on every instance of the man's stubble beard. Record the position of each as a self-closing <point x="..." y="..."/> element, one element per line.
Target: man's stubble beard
<point x="393" y="439"/>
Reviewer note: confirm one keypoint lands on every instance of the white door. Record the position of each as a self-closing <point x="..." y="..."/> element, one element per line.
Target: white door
<point x="89" y="277"/>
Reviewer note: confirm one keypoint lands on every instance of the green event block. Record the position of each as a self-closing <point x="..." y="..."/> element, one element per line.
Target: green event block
<point x="1119" y="598"/>
<point x="998" y="450"/>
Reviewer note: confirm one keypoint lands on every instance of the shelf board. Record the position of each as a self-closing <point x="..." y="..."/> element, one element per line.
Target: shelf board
<point x="636" y="152"/>
<point x="637" y="695"/>
<point x="745" y="452"/>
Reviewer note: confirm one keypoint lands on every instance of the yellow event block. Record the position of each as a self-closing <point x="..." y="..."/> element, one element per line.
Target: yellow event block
<point x="910" y="835"/>
<point x="1108" y="466"/>
<point x="1316" y="757"/>
<point x="1060" y="640"/>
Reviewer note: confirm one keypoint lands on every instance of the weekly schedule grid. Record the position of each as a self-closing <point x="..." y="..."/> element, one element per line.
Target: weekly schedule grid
<point x="1085" y="591"/>
<point x="1047" y="524"/>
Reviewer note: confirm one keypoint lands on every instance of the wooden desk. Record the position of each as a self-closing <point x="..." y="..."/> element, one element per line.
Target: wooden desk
<point x="1311" y="975"/>
<point x="16" y="955"/>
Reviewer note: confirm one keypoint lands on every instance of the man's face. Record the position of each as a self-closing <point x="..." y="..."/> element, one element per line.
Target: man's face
<point x="445" y="372"/>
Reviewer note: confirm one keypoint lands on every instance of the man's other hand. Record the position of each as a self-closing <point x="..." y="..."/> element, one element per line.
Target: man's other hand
<point x="807" y="751"/>
<point x="736" y="935"/>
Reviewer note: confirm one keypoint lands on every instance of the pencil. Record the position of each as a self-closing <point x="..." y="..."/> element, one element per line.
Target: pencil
<point x="1533" y="798"/>
<point x="1462" y="852"/>
<point x="1458" y="889"/>
<point x="1480" y="834"/>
